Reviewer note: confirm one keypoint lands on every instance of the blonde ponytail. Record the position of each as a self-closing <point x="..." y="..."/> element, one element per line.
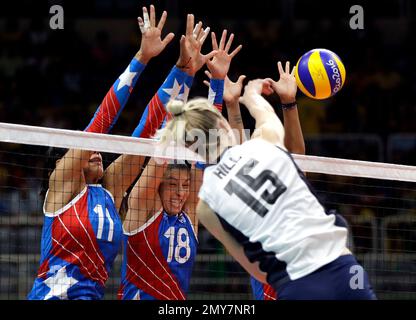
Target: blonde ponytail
<point x="175" y="107"/>
<point x="197" y="113"/>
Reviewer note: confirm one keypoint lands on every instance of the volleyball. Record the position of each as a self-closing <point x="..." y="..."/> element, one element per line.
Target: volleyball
<point x="320" y="74"/>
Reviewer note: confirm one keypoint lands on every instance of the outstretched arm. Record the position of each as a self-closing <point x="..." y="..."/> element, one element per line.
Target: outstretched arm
<point x="268" y="125"/>
<point x="191" y="59"/>
<point x="232" y="92"/>
<point x="176" y="86"/>
<point x="122" y="172"/>
<point x="144" y="199"/>
<point x="179" y="80"/>
<point x="116" y="98"/>
<point x="286" y="89"/>
<point x="67" y="180"/>
<point x="219" y="66"/>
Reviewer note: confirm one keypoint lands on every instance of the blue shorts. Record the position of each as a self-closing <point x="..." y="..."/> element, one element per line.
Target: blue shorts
<point x="342" y="279"/>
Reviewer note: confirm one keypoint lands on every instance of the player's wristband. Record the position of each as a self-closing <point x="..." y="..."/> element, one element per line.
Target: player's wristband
<point x="288" y="106"/>
<point x="200" y="165"/>
<point x="137" y="66"/>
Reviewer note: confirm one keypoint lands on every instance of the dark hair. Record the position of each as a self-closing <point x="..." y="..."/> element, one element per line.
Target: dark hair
<point x="178" y="164"/>
<point x="51" y="155"/>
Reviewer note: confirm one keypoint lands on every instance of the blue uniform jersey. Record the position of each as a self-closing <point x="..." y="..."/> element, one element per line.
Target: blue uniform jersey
<point x="158" y="259"/>
<point x="79" y="245"/>
<point x="262" y="291"/>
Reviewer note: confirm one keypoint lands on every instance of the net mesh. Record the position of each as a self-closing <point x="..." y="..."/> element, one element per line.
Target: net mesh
<point x="381" y="215"/>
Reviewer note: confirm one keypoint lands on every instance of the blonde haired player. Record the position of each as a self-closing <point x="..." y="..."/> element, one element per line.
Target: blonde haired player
<point x="256" y="201"/>
<point x="286" y="89"/>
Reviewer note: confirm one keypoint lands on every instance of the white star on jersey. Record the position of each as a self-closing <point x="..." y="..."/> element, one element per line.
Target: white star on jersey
<point x="59" y="284"/>
<point x="174" y="91"/>
<point x="137" y="295"/>
<point x="126" y="78"/>
<point x="184" y="96"/>
<point x="211" y="95"/>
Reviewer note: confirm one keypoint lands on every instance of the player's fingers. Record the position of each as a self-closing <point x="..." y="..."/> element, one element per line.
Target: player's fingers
<point x="168" y="38"/>
<point x="210" y="55"/>
<point x="152" y="16"/>
<point x="189" y="24"/>
<point x="146" y="18"/>
<point x="236" y="50"/>
<point x="269" y="80"/>
<point x="287" y="70"/>
<point x="209" y="63"/>
<point x="204" y="35"/>
<point x="229" y="43"/>
<point x="279" y="66"/>
<point x="200" y="34"/>
<point x="293" y="71"/>
<point x="241" y="79"/>
<point x="206" y="83"/>
<point x="162" y="21"/>
<point x="197" y="30"/>
<point x="208" y="74"/>
<point x="222" y="40"/>
<point x="182" y="43"/>
<point x="141" y="24"/>
<point x="214" y="41"/>
<point x="267" y="88"/>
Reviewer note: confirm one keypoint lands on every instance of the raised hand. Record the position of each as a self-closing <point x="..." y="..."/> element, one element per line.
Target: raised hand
<point x="152" y="43"/>
<point x="253" y="99"/>
<point x="286" y="87"/>
<point x="232" y="90"/>
<point x="190" y="57"/>
<point x="253" y="88"/>
<point x="220" y="63"/>
<point x="268" y="125"/>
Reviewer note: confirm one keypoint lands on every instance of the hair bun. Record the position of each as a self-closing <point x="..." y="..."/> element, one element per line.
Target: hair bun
<point x="175" y="107"/>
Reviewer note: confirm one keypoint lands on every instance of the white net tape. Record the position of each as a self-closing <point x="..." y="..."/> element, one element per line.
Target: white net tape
<point x="32" y="135"/>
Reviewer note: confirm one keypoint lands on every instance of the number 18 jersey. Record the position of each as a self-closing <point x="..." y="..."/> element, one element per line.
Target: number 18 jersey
<point x="158" y="259"/>
<point x="262" y="199"/>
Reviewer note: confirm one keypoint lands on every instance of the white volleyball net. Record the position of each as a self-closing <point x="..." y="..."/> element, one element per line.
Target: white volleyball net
<point x="376" y="199"/>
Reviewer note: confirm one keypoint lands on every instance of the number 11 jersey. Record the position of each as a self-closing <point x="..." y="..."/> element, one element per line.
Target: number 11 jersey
<point x="263" y="200"/>
<point x="79" y="245"/>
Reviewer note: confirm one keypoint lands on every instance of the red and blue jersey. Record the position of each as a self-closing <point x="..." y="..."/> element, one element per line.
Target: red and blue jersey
<point x="216" y="93"/>
<point x="262" y="291"/>
<point x="176" y="86"/>
<point x="158" y="259"/>
<point x="81" y="240"/>
<point x="116" y="99"/>
<point x="79" y="245"/>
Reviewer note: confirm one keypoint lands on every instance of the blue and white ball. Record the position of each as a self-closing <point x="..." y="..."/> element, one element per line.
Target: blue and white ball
<point x="320" y="74"/>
